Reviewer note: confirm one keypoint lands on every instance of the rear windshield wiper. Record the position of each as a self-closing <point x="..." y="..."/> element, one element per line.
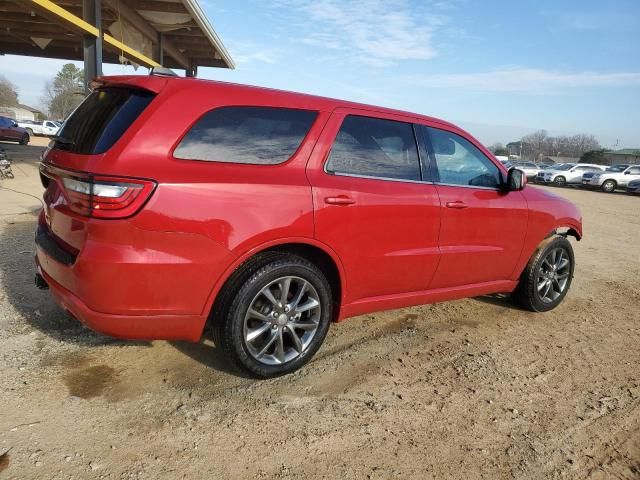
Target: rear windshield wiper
<point x="63" y="141"/>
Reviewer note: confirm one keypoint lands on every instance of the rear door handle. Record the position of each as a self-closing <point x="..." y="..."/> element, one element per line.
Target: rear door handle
<point x="458" y="204"/>
<point x="339" y="200"/>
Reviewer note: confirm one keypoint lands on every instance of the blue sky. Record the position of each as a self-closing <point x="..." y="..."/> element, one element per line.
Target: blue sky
<point x="499" y="68"/>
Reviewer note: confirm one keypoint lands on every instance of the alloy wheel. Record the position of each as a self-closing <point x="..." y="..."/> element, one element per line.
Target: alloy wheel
<point x="281" y="321"/>
<point x="553" y="275"/>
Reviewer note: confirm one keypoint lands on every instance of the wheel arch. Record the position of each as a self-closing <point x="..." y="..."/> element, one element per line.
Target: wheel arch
<point x="565" y="230"/>
<point x="316" y="252"/>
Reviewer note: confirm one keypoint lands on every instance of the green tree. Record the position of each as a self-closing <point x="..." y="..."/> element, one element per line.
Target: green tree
<point x="595" y="156"/>
<point x="64" y="92"/>
<point x="8" y="93"/>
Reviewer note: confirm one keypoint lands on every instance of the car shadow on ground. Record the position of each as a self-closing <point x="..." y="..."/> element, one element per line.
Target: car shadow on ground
<point x="208" y="354"/>
<point x="36" y="306"/>
<point x="501" y="300"/>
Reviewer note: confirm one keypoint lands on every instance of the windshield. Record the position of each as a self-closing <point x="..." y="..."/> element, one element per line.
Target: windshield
<point x="564" y="166"/>
<point x="617" y="168"/>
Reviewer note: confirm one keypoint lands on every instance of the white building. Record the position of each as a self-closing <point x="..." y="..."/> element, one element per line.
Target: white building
<point x="21" y="113"/>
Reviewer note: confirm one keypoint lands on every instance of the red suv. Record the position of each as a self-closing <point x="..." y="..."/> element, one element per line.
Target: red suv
<point x="173" y="203"/>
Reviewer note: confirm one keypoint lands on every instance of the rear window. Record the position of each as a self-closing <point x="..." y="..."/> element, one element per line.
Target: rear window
<point x="102" y="119"/>
<point x="253" y="135"/>
<point x="374" y="147"/>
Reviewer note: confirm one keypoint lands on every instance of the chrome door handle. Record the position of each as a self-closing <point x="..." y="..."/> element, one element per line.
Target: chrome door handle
<point x="339" y="200"/>
<point x="458" y="205"/>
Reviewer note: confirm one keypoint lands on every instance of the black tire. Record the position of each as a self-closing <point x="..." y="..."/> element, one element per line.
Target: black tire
<point x="24" y="140"/>
<point x="528" y="293"/>
<point x="559" y="181"/>
<point x="609" y="186"/>
<point x="229" y="326"/>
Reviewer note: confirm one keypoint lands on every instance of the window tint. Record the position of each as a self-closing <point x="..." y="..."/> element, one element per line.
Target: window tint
<point x="101" y="119"/>
<point x="634" y="171"/>
<point x="4" y="122"/>
<point x="374" y="147"/>
<point x="459" y="162"/>
<point x="255" y="135"/>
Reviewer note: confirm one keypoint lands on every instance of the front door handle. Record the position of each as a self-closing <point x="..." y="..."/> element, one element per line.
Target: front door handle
<point x="339" y="200"/>
<point x="458" y="204"/>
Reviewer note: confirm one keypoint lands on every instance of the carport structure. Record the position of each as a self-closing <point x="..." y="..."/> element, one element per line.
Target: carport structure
<point x="151" y="33"/>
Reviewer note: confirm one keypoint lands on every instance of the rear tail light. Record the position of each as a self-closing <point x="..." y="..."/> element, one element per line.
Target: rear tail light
<point x="101" y="196"/>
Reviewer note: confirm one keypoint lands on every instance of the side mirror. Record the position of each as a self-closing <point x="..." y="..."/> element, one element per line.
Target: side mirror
<point x="627" y="172"/>
<point x="516" y="180"/>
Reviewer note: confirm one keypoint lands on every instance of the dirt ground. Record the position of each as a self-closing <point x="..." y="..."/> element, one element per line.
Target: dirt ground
<point x="469" y="389"/>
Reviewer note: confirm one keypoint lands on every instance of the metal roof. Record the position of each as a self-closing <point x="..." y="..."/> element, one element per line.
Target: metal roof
<point x="173" y="33"/>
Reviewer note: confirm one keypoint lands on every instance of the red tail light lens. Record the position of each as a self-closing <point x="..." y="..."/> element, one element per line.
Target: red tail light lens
<point x="100" y="196"/>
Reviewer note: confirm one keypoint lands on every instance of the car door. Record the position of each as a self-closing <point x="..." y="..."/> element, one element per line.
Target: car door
<point x="576" y="173"/>
<point x="482" y="225"/>
<point x="630" y="174"/>
<point x="13" y="131"/>
<point x="371" y="205"/>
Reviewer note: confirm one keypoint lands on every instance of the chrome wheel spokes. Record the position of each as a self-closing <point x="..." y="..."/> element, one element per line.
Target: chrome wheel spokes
<point x="553" y="275"/>
<point x="282" y="320"/>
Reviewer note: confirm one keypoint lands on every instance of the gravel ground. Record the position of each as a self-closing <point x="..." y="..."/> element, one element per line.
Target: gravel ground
<point x="470" y="389"/>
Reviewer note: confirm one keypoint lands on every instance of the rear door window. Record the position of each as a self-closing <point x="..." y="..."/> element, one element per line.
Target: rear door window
<point x="253" y="135"/>
<point x="101" y="119"/>
<point x="375" y="147"/>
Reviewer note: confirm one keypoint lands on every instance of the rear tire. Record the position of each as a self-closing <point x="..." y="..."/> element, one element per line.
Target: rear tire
<point x="261" y="331"/>
<point x="548" y="275"/>
<point x="24" y="140"/>
<point x="609" y="186"/>
<point x="560" y="181"/>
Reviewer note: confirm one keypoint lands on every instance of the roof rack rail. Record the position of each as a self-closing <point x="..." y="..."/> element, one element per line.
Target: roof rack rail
<point x="162" y="72"/>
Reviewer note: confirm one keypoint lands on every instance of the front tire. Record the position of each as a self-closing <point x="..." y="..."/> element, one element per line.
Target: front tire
<point x="548" y="275"/>
<point x="609" y="186"/>
<point x="278" y="318"/>
<point x="24" y="140"/>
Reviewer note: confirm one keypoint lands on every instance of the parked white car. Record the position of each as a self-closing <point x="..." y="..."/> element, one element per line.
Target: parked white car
<point x="47" y="128"/>
<point x="608" y="181"/>
<point x="567" y="173"/>
<point x="530" y="169"/>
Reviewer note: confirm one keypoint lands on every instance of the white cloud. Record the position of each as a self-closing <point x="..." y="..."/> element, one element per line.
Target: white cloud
<point x="525" y="80"/>
<point x="379" y="32"/>
<point x="249" y="52"/>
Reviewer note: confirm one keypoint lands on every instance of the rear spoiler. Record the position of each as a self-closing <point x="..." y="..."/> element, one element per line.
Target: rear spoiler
<point x="152" y="83"/>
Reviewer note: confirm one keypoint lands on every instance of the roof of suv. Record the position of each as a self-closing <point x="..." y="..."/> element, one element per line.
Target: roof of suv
<point x="284" y="97"/>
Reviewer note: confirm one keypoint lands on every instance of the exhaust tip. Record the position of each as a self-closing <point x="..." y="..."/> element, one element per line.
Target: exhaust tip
<point x="40" y="282"/>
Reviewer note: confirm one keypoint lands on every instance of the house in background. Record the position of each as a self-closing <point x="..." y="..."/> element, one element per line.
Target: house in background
<point x="22" y="112"/>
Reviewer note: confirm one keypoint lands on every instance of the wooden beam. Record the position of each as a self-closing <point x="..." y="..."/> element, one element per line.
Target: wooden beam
<point x="135" y="19"/>
<point x="157" y="6"/>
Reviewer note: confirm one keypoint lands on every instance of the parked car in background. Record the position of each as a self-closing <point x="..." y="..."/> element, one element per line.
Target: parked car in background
<point x="10" y="131"/>
<point x="587" y="176"/>
<point x="255" y="210"/>
<point x="47" y="128"/>
<point x="567" y="173"/>
<point x="530" y="169"/>
<point x="633" y="187"/>
<point x="608" y="181"/>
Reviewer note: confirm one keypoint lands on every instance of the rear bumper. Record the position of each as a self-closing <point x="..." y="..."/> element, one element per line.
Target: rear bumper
<point x="132" y="283"/>
<point x="143" y="327"/>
